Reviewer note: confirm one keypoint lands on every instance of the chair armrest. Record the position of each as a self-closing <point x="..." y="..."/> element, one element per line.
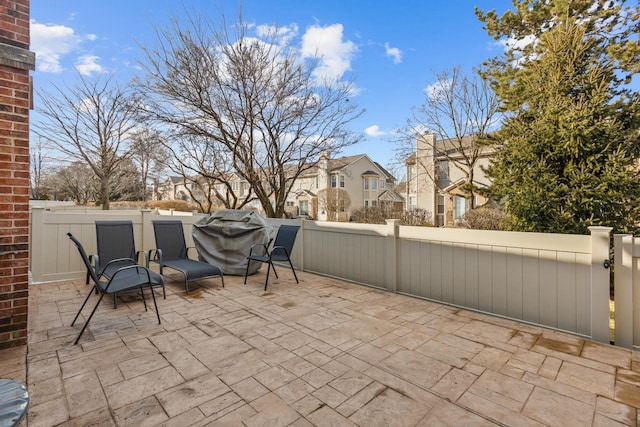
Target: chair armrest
<point x="96" y="261"/>
<point x="129" y="267"/>
<point x="264" y="248"/>
<point x="146" y="258"/>
<point x="157" y="258"/>
<point x="273" y="249"/>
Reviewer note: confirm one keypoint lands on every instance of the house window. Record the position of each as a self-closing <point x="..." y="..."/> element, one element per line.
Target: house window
<point x="443" y="170"/>
<point x="366" y="203"/>
<point x="459" y="207"/>
<point x="374" y="203"/>
<point x="382" y="183"/>
<point x="234" y="186"/>
<point x="304" y="207"/>
<point x="413" y="202"/>
<point x="341" y="205"/>
<point x="341" y="181"/>
<point x="440" y="204"/>
<point x="374" y="183"/>
<point x="334" y="181"/>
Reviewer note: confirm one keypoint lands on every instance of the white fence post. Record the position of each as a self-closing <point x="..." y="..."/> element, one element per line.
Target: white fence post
<point x="392" y="254"/>
<point x="623" y="289"/>
<point x="36" y="245"/>
<point x="600" y="282"/>
<point x="301" y="244"/>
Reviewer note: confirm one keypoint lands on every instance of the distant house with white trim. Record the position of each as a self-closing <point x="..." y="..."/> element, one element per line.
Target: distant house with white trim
<point x="434" y="178"/>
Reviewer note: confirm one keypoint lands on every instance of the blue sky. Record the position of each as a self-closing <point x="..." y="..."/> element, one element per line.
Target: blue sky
<point x="391" y="48"/>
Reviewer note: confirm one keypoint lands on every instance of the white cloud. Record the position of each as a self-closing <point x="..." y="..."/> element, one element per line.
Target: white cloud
<point x="50" y="43"/>
<point x="374" y="131"/>
<point x="393" y="52"/>
<point x="283" y="34"/>
<point x="88" y="64"/>
<point x="326" y="43"/>
<point x="438" y="90"/>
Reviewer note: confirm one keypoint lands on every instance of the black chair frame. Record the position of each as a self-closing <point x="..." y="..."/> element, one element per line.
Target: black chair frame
<point x="281" y="251"/>
<point x="125" y="279"/>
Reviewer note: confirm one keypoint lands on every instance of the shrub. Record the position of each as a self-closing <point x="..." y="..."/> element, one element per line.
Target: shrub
<point x="485" y="219"/>
<point x="379" y="215"/>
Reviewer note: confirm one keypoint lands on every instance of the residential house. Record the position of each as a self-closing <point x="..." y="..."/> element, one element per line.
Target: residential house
<point x="366" y="182"/>
<point x="173" y="188"/>
<point x="436" y="173"/>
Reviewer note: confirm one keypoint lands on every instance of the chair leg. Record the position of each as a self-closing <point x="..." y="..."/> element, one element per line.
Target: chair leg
<point x="86" y="323"/>
<point x="154" y="302"/>
<point x="222" y="278"/>
<point x="246" y="272"/>
<point x="83" y="304"/>
<point x="266" y="281"/>
<point x="294" y="272"/>
<point x="144" y="300"/>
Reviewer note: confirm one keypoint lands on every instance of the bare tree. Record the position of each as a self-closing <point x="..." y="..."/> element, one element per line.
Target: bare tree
<point x="89" y="122"/>
<point x="149" y="154"/>
<point x="207" y="167"/>
<point x="75" y="181"/>
<point x="459" y="111"/>
<point x="38" y="164"/>
<point x="334" y="201"/>
<point x="253" y="97"/>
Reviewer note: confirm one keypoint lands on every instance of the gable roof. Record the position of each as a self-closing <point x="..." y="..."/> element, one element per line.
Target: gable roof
<point x="390" y="196"/>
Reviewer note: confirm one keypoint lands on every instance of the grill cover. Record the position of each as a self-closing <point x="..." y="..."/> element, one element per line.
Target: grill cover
<point x="224" y="238"/>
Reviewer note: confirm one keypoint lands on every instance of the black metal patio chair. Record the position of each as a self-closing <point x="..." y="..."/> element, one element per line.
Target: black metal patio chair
<point x="281" y="251"/>
<point x="116" y="248"/>
<point x="124" y="279"/>
<point x="172" y="252"/>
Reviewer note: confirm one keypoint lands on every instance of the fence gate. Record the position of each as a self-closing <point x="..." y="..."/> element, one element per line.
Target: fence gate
<point x="627" y="290"/>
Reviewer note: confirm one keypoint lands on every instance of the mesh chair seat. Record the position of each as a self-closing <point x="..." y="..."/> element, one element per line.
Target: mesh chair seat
<point x="172" y="252"/>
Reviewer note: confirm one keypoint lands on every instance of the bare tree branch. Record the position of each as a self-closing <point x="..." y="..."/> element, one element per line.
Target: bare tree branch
<point x="254" y="98"/>
<point x="89" y="122"/>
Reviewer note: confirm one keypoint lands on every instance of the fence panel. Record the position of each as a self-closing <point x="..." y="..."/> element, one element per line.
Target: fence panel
<point x="533" y="277"/>
<point x="554" y="280"/>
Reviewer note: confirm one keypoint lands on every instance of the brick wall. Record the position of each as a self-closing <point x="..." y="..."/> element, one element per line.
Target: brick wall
<point x="15" y="96"/>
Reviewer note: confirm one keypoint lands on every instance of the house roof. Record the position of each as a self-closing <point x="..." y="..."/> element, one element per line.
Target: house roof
<point x="390" y="196"/>
<point x="342" y="162"/>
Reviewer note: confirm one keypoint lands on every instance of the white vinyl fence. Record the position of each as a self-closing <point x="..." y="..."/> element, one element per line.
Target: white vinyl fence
<point x="554" y="280"/>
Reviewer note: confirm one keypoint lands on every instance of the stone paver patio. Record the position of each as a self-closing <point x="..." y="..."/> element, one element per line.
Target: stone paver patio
<point x="323" y="352"/>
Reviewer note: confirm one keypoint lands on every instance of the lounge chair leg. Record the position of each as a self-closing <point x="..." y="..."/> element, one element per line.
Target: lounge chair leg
<point x="222" y="278"/>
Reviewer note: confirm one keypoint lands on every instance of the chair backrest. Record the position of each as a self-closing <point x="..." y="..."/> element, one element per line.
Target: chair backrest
<point x="115" y="240"/>
<point x="170" y="239"/>
<point x="85" y="258"/>
<point x="286" y="237"/>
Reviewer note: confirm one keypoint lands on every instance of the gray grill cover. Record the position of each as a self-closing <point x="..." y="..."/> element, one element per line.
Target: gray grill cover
<point x="224" y="238"/>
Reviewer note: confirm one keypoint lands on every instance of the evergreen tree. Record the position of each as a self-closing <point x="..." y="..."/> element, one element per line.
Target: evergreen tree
<point x="567" y="151"/>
